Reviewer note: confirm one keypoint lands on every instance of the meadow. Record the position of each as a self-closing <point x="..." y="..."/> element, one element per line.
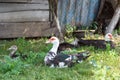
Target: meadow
<point x="101" y="65"/>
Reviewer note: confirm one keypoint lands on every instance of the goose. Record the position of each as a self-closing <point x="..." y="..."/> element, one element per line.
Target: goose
<point x="61" y="60"/>
<point x="102" y="44"/>
<point x="13" y="54"/>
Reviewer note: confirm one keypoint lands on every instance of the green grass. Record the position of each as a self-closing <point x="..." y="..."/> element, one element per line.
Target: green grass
<point x="101" y="65"/>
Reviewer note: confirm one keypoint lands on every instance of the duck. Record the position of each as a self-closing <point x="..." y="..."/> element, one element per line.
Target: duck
<point x="13" y="54"/>
<point x="61" y="60"/>
<point x="99" y="44"/>
<point x="66" y="46"/>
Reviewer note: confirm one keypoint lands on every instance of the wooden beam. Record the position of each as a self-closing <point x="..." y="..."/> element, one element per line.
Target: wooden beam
<point x="25" y="1"/>
<point x="7" y="7"/>
<point x="26" y="29"/>
<point x="23" y="16"/>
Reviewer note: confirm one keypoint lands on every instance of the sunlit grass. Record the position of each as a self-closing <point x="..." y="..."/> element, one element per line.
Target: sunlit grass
<point x="101" y="65"/>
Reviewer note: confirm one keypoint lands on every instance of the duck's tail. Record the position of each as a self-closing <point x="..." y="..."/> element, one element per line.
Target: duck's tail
<point x="81" y="56"/>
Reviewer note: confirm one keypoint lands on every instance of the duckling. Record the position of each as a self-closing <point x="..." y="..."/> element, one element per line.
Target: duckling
<point x="13" y="54"/>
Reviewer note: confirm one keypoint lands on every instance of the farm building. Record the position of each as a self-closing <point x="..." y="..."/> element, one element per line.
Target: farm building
<point x="24" y="18"/>
<point x="34" y="18"/>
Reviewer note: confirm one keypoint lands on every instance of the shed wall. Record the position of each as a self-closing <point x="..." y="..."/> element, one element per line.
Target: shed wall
<point x="24" y="18"/>
<point x="75" y="12"/>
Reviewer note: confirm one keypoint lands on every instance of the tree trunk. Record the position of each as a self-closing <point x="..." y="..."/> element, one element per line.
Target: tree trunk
<point x="54" y="13"/>
<point x="114" y="21"/>
<point x="101" y="8"/>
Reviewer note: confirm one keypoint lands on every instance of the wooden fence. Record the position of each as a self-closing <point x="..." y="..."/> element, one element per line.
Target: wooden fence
<point x="24" y="18"/>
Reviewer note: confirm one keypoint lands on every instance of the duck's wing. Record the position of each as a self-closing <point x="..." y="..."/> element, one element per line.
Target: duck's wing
<point x="96" y="43"/>
<point x="14" y="56"/>
<point x="64" y="46"/>
<point x="62" y="57"/>
<point x="63" y="60"/>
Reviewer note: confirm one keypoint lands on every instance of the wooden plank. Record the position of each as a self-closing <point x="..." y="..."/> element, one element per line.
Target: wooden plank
<point x="25" y="1"/>
<point x="7" y="7"/>
<point x="27" y="29"/>
<point x="49" y="31"/>
<point x="23" y="16"/>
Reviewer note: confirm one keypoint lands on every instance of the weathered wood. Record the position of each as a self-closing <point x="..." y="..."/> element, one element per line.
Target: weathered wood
<point x="27" y="29"/>
<point x="57" y="23"/>
<point x="114" y="20"/>
<point x="7" y="7"/>
<point x="23" y="16"/>
<point x="49" y="31"/>
<point x="25" y="1"/>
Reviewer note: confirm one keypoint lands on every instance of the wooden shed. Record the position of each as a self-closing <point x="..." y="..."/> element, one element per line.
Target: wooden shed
<point x="34" y="18"/>
<point x="77" y="12"/>
<point x="25" y="18"/>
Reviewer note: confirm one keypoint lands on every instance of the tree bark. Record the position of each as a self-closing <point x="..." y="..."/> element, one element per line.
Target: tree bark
<point x="114" y="21"/>
<point x="101" y="8"/>
<point x="54" y="12"/>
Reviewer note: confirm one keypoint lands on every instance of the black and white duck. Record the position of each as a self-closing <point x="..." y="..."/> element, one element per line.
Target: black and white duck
<point x="13" y="54"/>
<point x="55" y="59"/>
<point x="66" y="46"/>
<point x="102" y="44"/>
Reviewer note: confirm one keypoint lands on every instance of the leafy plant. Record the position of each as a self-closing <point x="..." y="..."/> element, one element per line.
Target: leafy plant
<point x="94" y="25"/>
<point x="23" y="44"/>
<point x="12" y="66"/>
<point x="69" y="29"/>
<point x="35" y="58"/>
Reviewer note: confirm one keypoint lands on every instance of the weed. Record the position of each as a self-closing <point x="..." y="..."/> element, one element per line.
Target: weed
<point x="69" y="29"/>
<point x="12" y="66"/>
